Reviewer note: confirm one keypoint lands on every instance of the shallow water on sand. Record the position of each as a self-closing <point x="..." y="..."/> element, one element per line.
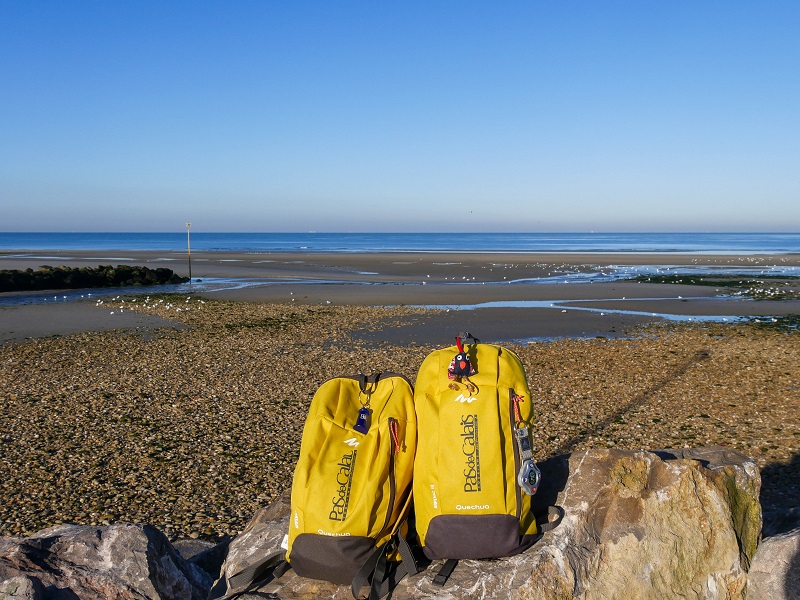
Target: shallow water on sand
<point x="569" y="305"/>
<point x="604" y="274"/>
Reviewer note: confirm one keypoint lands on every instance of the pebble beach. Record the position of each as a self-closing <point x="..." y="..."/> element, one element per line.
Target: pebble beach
<point x="189" y="417"/>
<point x="194" y="429"/>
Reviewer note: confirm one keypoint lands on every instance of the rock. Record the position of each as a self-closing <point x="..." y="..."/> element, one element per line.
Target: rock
<point x="775" y="571"/>
<point x="665" y="524"/>
<point x="21" y="587"/>
<point x="189" y="548"/>
<point x="262" y="537"/>
<point x="97" y="563"/>
<point x="212" y="559"/>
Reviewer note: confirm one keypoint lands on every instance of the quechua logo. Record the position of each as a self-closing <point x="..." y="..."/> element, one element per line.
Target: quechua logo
<point x="468" y="399"/>
<point x="344" y="481"/>
<point x="471" y="452"/>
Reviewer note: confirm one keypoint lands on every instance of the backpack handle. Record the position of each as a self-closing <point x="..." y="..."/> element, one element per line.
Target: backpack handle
<point x="468" y="336"/>
<point x="369" y="380"/>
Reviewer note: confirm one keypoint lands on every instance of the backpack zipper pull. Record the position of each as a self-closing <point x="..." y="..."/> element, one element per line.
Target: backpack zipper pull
<point x="529" y="475"/>
<point x="517" y="414"/>
<point x="362" y="422"/>
<point x="363" y="419"/>
<point x="395" y="435"/>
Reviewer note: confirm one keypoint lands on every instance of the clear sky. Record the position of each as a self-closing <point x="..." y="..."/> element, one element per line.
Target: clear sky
<point x="399" y="116"/>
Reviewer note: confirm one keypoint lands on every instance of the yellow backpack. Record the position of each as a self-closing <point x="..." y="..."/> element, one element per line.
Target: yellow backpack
<point x="474" y="472"/>
<point x="351" y="490"/>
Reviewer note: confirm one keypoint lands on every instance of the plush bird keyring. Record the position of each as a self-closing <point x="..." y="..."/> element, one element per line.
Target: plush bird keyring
<point x="460" y="367"/>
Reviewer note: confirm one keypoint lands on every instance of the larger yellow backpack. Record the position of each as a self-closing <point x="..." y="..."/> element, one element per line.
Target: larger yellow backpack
<point x="474" y="472"/>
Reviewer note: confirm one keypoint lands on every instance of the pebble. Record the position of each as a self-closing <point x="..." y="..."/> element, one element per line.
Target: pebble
<point x="193" y="430"/>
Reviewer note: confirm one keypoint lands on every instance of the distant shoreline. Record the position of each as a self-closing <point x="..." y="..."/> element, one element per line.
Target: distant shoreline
<point x="97" y="256"/>
<point x="346" y="243"/>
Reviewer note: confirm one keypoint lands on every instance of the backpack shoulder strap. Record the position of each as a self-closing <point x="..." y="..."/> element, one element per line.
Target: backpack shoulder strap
<point x="444" y="573"/>
<point x="383" y="575"/>
<point x="253" y="576"/>
<point x="546" y="523"/>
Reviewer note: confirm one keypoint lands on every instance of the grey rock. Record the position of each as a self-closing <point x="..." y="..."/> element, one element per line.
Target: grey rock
<point x="117" y="561"/>
<point x="212" y="559"/>
<point x="775" y="572"/>
<point x="204" y="554"/>
<point x="665" y="524"/>
<point x="22" y="587"/>
<point x="189" y="548"/>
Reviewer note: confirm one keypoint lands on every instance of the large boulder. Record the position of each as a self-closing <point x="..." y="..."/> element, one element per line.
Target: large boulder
<point x="98" y="563"/>
<point x="664" y="524"/>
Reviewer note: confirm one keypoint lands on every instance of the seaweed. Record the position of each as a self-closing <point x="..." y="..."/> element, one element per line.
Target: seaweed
<point x="763" y="287"/>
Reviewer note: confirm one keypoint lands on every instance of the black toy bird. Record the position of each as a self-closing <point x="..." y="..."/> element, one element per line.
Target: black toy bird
<point x="461" y="368"/>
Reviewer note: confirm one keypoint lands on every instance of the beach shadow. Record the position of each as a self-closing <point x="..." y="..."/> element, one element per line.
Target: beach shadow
<point x="555" y="474"/>
<point x="638" y="401"/>
<point x="781" y="508"/>
<point x="781" y="511"/>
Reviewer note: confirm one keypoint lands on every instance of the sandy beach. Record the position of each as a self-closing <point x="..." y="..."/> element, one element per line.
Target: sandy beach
<point x="500" y="294"/>
<point x="385" y="267"/>
<point x="186" y="410"/>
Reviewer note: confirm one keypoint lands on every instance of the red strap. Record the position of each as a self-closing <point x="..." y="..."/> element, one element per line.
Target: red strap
<point x="517" y="413"/>
<point x="394" y="434"/>
<point x="459" y="345"/>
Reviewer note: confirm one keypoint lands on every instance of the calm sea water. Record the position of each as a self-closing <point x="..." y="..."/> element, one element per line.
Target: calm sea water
<point x="418" y="242"/>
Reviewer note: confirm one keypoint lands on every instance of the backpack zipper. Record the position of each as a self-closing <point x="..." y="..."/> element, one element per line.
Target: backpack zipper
<point x="375" y="377"/>
<point x="394" y="448"/>
<point x="513" y="410"/>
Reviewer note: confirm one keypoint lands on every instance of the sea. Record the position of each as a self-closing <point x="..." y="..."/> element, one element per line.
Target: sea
<point x="693" y="243"/>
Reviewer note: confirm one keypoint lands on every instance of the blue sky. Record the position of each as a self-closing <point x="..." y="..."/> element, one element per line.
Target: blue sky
<point x="399" y="116"/>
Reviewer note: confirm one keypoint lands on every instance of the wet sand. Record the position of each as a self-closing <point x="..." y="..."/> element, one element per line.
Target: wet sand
<point x="499" y="294"/>
<point x="45" y="320"/>
<point x="386" y="267"/>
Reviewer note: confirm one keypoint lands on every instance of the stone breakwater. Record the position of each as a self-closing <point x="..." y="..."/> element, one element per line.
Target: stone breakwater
<point x="70" y="278"/>
<point x="193" y="430"/>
